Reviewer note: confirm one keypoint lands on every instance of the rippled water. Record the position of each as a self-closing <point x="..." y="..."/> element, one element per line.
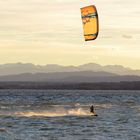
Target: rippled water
<point x="64" y="115"/>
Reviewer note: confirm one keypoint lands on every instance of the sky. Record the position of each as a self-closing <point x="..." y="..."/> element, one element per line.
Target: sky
<point x="50" y="32"/>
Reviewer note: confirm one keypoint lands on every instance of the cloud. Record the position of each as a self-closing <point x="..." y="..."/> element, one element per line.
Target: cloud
<point x="127" y="36"/>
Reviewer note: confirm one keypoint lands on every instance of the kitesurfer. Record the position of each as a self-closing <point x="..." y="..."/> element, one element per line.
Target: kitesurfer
<point x="92" y="110"/>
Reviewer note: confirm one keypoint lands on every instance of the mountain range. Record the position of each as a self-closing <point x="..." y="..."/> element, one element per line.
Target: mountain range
<point x="19" y="68"/>
<point x="73" y="74"/>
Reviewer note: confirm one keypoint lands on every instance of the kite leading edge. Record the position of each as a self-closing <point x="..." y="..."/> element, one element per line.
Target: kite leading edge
<point x="90" y="22"/>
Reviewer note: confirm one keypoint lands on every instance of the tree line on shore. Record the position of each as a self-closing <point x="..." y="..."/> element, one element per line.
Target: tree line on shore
<point x="124" y="85"/>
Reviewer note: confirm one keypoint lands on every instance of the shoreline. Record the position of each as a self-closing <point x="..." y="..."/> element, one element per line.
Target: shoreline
<point x="71" y="86"/>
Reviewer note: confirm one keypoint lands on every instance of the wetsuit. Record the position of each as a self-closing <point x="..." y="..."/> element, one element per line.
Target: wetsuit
<point x="92" y="109"/>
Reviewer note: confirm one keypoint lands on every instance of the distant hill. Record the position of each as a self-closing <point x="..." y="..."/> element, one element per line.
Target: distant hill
<point x="19" y="68"/>
<point x="70" y="77"/>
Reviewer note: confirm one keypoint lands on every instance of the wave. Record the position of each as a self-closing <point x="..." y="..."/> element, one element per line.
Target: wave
<point x="56" y="110"/>
<point x="58" y="113"/>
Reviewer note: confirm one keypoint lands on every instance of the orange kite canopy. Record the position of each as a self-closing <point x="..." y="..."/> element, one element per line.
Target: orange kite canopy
<point x="90" y="22"/>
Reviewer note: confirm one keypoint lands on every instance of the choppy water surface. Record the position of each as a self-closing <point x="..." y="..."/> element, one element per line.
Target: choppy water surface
<point x="64" y="115"/>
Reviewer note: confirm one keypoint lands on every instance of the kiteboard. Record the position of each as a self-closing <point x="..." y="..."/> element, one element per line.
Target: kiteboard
<point x="94" y="114"/>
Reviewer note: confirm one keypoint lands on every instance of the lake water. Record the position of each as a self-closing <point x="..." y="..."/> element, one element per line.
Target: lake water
<point x="64" y="115"/>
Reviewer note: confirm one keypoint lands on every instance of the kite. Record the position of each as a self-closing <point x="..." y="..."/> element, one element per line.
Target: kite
<point x="90" y="22"/>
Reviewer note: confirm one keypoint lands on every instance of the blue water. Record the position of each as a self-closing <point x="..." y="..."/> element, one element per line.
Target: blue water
<point x="64" y="115"/>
